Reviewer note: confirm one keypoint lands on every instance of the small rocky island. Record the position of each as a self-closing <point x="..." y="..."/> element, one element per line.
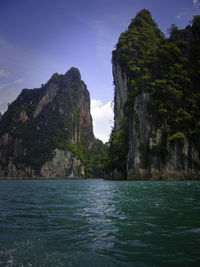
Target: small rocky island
<point x="48" y="132"/>
<point x="157" y="102"/>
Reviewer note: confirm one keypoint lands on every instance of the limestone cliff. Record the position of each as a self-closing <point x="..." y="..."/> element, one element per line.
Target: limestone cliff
<point x="44" y="131"/>
<point x="156" y="102"/>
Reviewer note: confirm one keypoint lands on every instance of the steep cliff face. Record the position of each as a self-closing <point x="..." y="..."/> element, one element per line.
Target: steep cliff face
<point x="42" y="130"/>
<point x="150" y="155"/>
<point x="120" y="81"/>
<point x="157" y="112"/>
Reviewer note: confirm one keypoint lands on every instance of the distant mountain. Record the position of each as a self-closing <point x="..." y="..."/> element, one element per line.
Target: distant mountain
<point x="48" y="132"/>
<point x="0" y="115"/>
<point x="157" y="102"/>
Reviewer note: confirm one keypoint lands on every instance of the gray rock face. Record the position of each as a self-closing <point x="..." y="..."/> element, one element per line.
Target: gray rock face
<point x="120" y="81"/>
<point x="47" y="98"/>
<point x="139" y="135"/>
<point x="63" y="165"/>
<point x="143" y="161"/>
<point x="42" y="129"/>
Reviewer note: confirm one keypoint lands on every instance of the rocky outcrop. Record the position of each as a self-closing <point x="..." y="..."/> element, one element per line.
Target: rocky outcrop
<point x="155" y="148"/>
<point x="64" y="164"/>
<point x="43" y="129"/>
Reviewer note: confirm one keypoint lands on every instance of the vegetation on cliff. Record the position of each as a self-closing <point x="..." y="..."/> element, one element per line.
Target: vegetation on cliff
<point x="169" y="70"/>
<point x="57" y="115"/>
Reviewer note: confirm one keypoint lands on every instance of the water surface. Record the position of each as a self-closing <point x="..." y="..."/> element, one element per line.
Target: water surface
<point x="99" y="223"/>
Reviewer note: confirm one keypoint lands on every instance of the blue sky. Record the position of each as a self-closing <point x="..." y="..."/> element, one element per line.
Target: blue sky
<point x="40" y="37"/>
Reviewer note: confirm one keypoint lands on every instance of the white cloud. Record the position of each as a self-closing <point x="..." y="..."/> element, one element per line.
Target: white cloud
<point x="20" y="80"/>
<point x="3" y="107"/>
<point x="102" y="115"/>
<point x="3" y="85"/>
<point x="180" y="15"/>
<point x="7" y="95"/>
<point x="3" y="73"/>
<point x="196" y="3"/>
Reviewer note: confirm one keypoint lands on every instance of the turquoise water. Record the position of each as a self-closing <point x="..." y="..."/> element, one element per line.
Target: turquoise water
<point x="99" y="223"/>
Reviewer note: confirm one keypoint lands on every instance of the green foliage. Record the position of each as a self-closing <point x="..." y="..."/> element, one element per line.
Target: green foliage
<point x="144" y="151"/>
<point x="134" y="48"/>
<point x="173" y="30"/>
<point x="118" y="148"/>
<point x="172" y="81"/>
<point x="173" y="85"/>
<point x="159" y="150"/>
<point x="177" y="136"/>
<point x="167" y="69"/>
<point x="196" y="27"/>
<point x="134" y="44"/>
<point x="93" y="158"/>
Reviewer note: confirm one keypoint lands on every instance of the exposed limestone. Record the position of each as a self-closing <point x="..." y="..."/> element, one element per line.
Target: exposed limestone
<point x="63" y="165"/>
<point x="23" y="116"/>
<point x="47" y="98"/>
<point x="5" y="140"/>
<point x="120" y="81"/>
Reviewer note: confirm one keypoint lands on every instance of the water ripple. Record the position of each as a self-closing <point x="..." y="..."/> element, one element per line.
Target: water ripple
<point x="99" y="223"/>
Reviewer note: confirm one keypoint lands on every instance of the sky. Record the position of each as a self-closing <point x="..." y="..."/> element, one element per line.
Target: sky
<point x="41" y="37"/>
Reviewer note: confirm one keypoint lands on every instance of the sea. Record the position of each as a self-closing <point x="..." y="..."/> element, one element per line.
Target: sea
<point x="99" y="223"/>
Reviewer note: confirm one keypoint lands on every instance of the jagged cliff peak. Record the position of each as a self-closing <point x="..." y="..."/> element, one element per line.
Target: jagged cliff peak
<point x="73" y="74"/>
<point x="143" y="18"/>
